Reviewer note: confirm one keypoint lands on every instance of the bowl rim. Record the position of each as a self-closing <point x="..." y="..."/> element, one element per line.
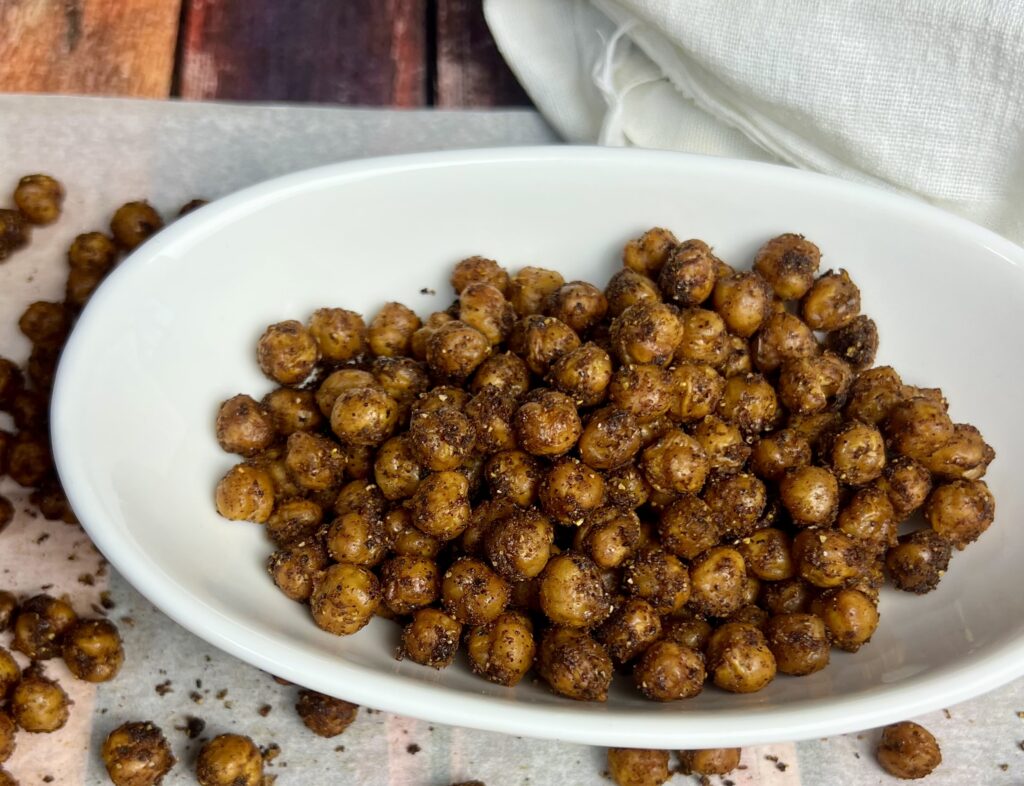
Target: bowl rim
<point x="572" y="722"/>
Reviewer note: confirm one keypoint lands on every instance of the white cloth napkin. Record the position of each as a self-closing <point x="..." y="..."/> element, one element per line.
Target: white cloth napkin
<point x="926" y="96"/>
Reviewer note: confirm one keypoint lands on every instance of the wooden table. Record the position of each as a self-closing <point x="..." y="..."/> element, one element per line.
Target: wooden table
<point x="403" y="53"/>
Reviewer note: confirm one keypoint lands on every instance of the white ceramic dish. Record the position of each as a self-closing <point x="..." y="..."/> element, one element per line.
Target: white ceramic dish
<point x="172" y="333"/>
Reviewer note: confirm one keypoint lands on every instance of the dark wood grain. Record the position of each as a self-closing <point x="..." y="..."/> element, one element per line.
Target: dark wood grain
<point x="368" y="52"/>
<point x="470" y="69"/>
<point x="109" y="47"/>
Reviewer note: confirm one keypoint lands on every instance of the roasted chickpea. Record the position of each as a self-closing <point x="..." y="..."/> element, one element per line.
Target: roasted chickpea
<point x="440" y="505"/>
<point x="868" y="519"/>
<point x="570" y="490"/>
<point x="668" y="671"/>
<point x="748" y="401"/>
<point x="361" y="497"/>
<point x="827" y="557"/>
<point x="919" y="561"/>
<point x="908" y="750"/>
<point x="739" y="659"/>
<point x="243" y="426"/>
<point x="409" y="583"/>
<point x="776" y="453"/>
<point x="645" y="391"/>
<point x="578" y="304"/>
<point x="390" y="332"/>
<point x="397" y="469"/>
<point x="358" y="538"/>
<point x="766" y="554"/>
<point x="506" y="372"/>
<point x="632" y="628"/>
<point x="431" y="638"/>
<point x="850" y="616"/>
<point x="441" y="397"/>
<point x="502" y="651"/>
<point x="14" y="232"/>
<point x="246" y="493"/>
<point x="960" y="511"/>
<point x="472" y="593"/>
<point x="420" y="339"/>
<point x="610" y="439"/>
<point x="855" y="452"/>
<point x="29" y="460"/>
<point x="10" y="673"/>
<point x="11" y="381"/>
<point x="548" y="425"/>
<point x="717" y="578"/>
<point x="810" y="495"/>
<point x="229" y="760"/>
<point x="855" y="342"/>
<point x="38" y="705"/>
<point x="583" y="374"/>
<point x="295" y="566"/>
<point x="92" y="650"/>
<point x="31" y="412"/>
<point x="571" y="591"/>
<point x="406" y="539"/>
<point x="540" y="341"/>
<point x="832" y="302"/>
<point x="637" y="767"/>
<point x="133" y="223"/>
<point x="315" y="462"/>
<point x="799" y="643"/>
<point x="39" y="198"/>
<point x="479" y="270"/>
<point x="627" y="288"/>
<point x="287" y="352"/>
<point x="907" y="484"/>
<point x="45" y="324"/>
<point x="626" y="488"/>
<point x="80" y="286"/>
<point x="965" y="457"/>
<point x="490" y="414"/>
<point x="483" y="307"/>
<point x="688" y="526"/>
<point x="529" y="288"/>
<point x="696" y="391"/>
<point x="675" y="463"/>
<point x="340" y="334"/>
<point x="344" y="598"/>
<point x="441" y="439"/>
<point x="455" y="350"/>
<point x="137" y="754"/>
<point x="705" y="338"/>
<point x="364" y="416"/>
<point x="513" y="475"/>
<point x="291" y="410"/>
<point x="787" y="596"/>
<point x="659" y="578"/>
<point x="646" y="333"/>
<point x="40" y="626"/>
<point x="574" y="665"/>
<point x="788" y="262"/>
<point x="689" y="273"/>
<point x="874" y="394"/>
<point x="738" y="359"/>
<point x="402" y="378"/>
<point x="812" y="384"/>
<point x="737" y="502"/>
<point x="519" y="544"/>
<point x="324" y="715"/>
<point x="782" y="337"/>
<point x="723" y="444"/>
<point x="649" y="253"/>
<point x="609" y="537"/>
<point x="743" y="301"/>
<point x="709" y="761"/>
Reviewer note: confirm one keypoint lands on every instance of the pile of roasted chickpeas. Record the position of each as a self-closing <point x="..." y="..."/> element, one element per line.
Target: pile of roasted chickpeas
<point x="695" y="475"/>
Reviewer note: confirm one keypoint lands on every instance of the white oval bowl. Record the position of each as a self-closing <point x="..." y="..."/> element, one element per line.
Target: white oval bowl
<point x="172" y="333"/>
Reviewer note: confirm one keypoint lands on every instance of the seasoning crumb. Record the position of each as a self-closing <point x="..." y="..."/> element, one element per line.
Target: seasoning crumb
<point x="428" y="291"/>
<point x="948" y="714"/>
<point x="129" y="621"/>
<point x="271" y="751"/>
<point x="222" y="693"/>
<point x="87" y="579"/>
<point x="727" y="782"/>
<point x="164" y="688"/>
<point x="264" y="711"/>
<point x="857" y="755"/>
<point x="339" y="748"/>
<point x="48" y="779"/>
<point x="412" y="748"/>
<point x="704" y="780"/>
<point x="42" y="538"/>
<point x="106" y="601"/>
<point x="193" y="726"/>
<point x="196" y="696"/>
<point x="199" y="683"/>
<point x="229" y="705"/>
<point x="781" y="766"/>
<point x="772" y="759"/>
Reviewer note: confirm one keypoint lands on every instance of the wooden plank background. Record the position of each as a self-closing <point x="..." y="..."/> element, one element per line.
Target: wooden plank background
<point x="403" y="53"/>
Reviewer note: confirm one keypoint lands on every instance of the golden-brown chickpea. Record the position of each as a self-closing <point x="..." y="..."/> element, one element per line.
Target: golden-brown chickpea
<point x="295" y="566"/>
<point x="440" y="505"/>
<point x="514" y="475"/>
<point x="479" y="270"/>
<point x="397" y="469"/>
<point x="907" y="484"/>
<point x="472" y="593"/>
<point x="518" y="545"/>
<point x="632" y="628"/>
<point x="826" y="557"/>
<point x="709" y="761"/>
<point x="10" y="672"/>
<point x="810" y="495"/>
<point x="404" y="379"/>
<point x="441" y="439"/>
<point x="455" y="350"/>
<point x="668" y="671"/>
<point x="30" y="410"/>
<point x="406" y="539"/>
<point x="646" y="333"/>
<point x="361" y="497"/>
<point x="29" y="460"/>
<point x="229" y="760"/>
<point x="409" y="583"/>
<point x="502" y="651"/>
<point x="627" y="288"/>
<point x="850" y="616"/>
<point x="490" y="415"/>
<point x="578" y="304"/>
<point x="696" y="392"/>
<point x="855" y="452"/>
<point x="315" y="462"/>
<point x="659" y="578"/>
<point x="676" y="463"/>
<point x="638" y="767"/>
<point x="867" y="517"/>
<point x="610" y="438"/>
<point x="688" y="527"/>
<point x="358" y="538"/>
<point x="574" y="665"/>
<point x="776" y="453"/>
<point x="766" y="554"/>
<point x="364" y="416"/>
<point x="749" y="401"/>
<point x="344" y="598"/>
<point x="293" y="410"/>
<point x="965" y="457"/>
<point x="908" y="750"/>
<point x="420" y="339"/>
<point x="799" y="643"/>
<point x="12" y="381"/>
<point x="873" y="395"/>
<point x="626" y="488"/>
<point x="40" y="625"/>
<point x="919" y="561"/>
<point x="14" y="232"/>
<point x="705" y="338"/>
<point x="689" y="273"/>
<point x="723" y="444"/>
<point x="743" y="300"/>
<point x="325" y="716"/>
<point x="548" y="425"/>
<point x="340" y="334"/>
<point x="390" y="332"/>
<point x="788" y="262"/>
<point x="506" y="372"/>
<point x="137" y="754"/>
<point x="441" y="397"/>
<point x="92" y="650"/>
<point x="570" y="490"/>
<point x="609" y="537"/>
<point x="787" y="596"/>
<point x="782" y="337"/>
<point x="529" y="288"/>
<point x="38" y="705"/>
<point x="717" y="578"/>
<point x="39" y="198"/>
<point x="855" y="342"/>
<point x="483" y="307"/>
<point x="812" y="384"/>
<point x="571" y="591"/>
<point x="583" y="374"/>
<point x="133" y="223"/>
<point x="79" y="287"/>
<point x="8" y="611"/>
<point x="737" y="502"/>
<point x="45" y="324"/>
<point x="287" y="352"/>
<point x="960" y="511"/>
<point x="649" y="253"/>
<point x="431" y="638"/>
<point x="690" y="632"/>
<point x="739" y="659"/>
<point x="246" y="493"/>
<point x="645" y="391"/>
<point x="832" y="302"/>
<point x="540" y="341"/>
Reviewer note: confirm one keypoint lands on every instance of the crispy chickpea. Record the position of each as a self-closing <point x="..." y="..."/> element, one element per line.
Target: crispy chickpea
<point x="867" y="518"/>
<point x="799" y="643"/>
<point x="92" y="650"/>
<point x="10" y="673"/>
<point x="737" y="501"/>
<point x="907" y="484"/>
<point x="659" y="578"/>
<point x="404" y="379"/>
<point x="646" y="333"/>
<point x="40" y="626"/>
<point x="570" y="490"/>
<point x="827" y="557"/>
<point x="518" y="544"/>
<point x="506" y="372"/>
<point x="420" y="339"/>
<point x="850" y="616"/>
<point x="548" y="425"/>
<point x="246" y="493"/>
<point x="610" y="438"/>
<point x="287" y="352"/>
<point x="668" y="671"/>
<point x="529" y="288"/>
<point x="782" y="337"/>
<point x="855" y="452"/>
<point x="626" y="487"/>
<point x="45" y="324"/>
<point x="513" y="475"/>
<point x="766" y="554"/>
<point x="30" y="410"/>
<point x="137" y="754"/>
<point x="315" y="462"/>
<point x="709" y="761"/>
<point x="229" y="760"/>
<point x="966" y="456"/>
<point x="627" y="288"/>
<point x="739" y="659"/>
<point x="11" y="381"/>
<point x="38" y="705"/>
<point x="743" y="301"/>
<point x="358" y="538"/>
<point x="696" y="391"/>
<point x="455" y="350"/>
<point x="364" y="416"/>
<point x="540" y="341"/>
<point x="583" y="374"/>
<point x="649" y="253"/>
<point x="690" y="632"/>
<point x="133" y="223"/>
<point x="787" y="596"/>
<point x="340" y="334"/>
<point x="397" y="469"/>
<point x="29" y="460"/>
<point x="362" y="497"/>
<point x="737" y="359"/>
<point x="748" y="401"/>
<point x="324" y="715"/>
<point x="578" y="304"/>
<point x="907" y="750"/>
<point x="633" y="627"/>
<point x="243" y="426"/>
<point x="39" y="198"/>
<point x="609" y="537"/>
<point x="344" y="598"/>
<point x="478" y="269"/>
<point x="292" y="410"/>
<point x="689" y="273"/>
<point x="874" y="394"/>
<point x="440" y="505"/>
<point x="645" y="391"/>
<point x="409" y="583"/>
<point x="705" y="338"/>
<point x="688" y="526"/>
<point x="832" y="302"/>
<point x="810" y="495"/>
<point x="406" y="539"/>
<point x="295" y="566"/>
<point x="855" y="342"/>
<point x="8" y="610"/>
<point x="431" y="638"/>
<point x="502" y="651"/>
<point x="919" y="561"/>
<point x="472" y="593"/>
<point x="574" y="665"/>
<point x="571" y="591"/>
<point x="788" y="262"/>
<point x="723" y="444"/>
<point x="439" y="398"/>
<point x="717" y="578"/>
<point x="490" y="415"/>
<point x="441" y="439"/>
<point x="80" y="286"/>
<point x="390" y="332"/>
<point x="638" y="767"/>
<point x="960" y="511"/>
<point x="675" y="463"/>
<point x="483" y="307"/>
<point x="812" y="384"/>
<point x="14" y="232"/>
<point x="776" y="453"/>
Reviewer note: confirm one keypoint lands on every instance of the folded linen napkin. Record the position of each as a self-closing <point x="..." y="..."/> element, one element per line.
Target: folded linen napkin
<point x="926" y="96"/>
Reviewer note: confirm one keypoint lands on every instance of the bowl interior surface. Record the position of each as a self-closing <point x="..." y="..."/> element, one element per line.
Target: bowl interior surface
<point x="173" y="332"/>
